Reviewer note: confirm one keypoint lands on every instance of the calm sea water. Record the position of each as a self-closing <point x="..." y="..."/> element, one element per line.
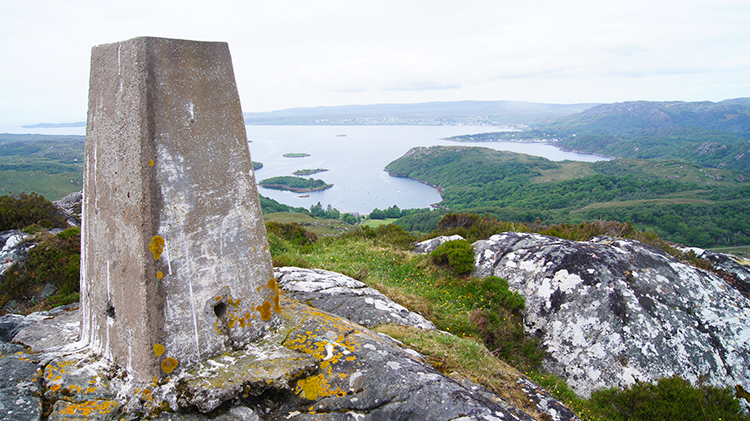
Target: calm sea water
<point x="355" y="157"/>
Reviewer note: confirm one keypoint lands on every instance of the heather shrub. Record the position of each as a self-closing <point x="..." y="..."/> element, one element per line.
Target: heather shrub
<point x="23" y="210"/>
<point x="458" y="254"/>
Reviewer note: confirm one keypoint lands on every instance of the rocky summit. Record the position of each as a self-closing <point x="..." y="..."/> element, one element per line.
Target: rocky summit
<point x="613" y="311"/>
<point x="316" y="365"/>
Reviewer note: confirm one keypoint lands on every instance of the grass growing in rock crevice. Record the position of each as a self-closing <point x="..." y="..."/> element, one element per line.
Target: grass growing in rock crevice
<point x="486" y="321"/>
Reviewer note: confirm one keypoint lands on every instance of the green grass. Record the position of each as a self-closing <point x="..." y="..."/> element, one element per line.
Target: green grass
<point x="321" y="227"/>
<point x="51" y="186"/>
<point x="374" y="223"/>
<point x="743" y="252"/>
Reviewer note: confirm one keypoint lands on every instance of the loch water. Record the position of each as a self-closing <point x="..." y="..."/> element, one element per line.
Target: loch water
<point x="356" y="156"/>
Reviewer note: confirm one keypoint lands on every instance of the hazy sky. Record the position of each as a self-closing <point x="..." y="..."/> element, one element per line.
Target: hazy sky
<point x="290" y="53"/>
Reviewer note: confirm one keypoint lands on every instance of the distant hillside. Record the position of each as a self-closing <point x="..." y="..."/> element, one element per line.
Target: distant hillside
<point x="679" y="201"/>
<point x="706" y="133"/>
<point x="644" y="117"/>
<point x="710" y="134"/>
<point x="50" y="165"/>
<point x="430" y="113"/>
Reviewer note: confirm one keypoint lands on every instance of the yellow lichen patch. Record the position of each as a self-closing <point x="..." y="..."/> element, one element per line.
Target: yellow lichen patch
<point x="169" y="365"/>
<point x="150" y="162"/>
<point x="265" y="311"/>
<point x="272" y="283"/>
<point x="159" y="275"/>
<point x="158" y="349"/>
<point x="87" y="409"/>
<point x="315" y="387"/>
<point x="156" y="246"/>
<point x="276" y="306"/>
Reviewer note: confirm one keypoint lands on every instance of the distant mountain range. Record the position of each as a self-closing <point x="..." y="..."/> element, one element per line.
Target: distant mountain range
<point x="493" y="113"/>
<point x="711" y="134"/>
<point x="646" y="117"/>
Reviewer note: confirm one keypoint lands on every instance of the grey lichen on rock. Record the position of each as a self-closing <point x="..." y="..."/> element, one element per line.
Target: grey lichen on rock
<point x="612" y="311"/>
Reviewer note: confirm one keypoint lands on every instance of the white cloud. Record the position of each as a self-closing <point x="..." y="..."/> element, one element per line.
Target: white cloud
<point x="291" y="53"/>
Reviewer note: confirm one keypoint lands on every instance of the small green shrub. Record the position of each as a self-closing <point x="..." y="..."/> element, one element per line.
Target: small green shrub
<point x="55" y="260"/>
<point x="671" y="398"/>
<point x="292" y="232"/>
<point x="497" y="316"/>
<point x="457" y="254"/>
<point x="23" y="210"/>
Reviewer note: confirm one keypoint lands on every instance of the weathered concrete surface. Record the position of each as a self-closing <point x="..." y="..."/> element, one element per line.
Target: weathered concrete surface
<point x="613" y="311"/>
<point x="313" y="365"/>
<point x="175" y="263"/>
<point x="346" y="297"/>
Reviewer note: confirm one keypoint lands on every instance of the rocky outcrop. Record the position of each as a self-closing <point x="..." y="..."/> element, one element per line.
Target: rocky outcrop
<point x="428" y="246"/>
<point x="315" y="366"/>
<point x="14" y="249"/>
<point x="70" y="207"/>
<point x="611" y="312"/>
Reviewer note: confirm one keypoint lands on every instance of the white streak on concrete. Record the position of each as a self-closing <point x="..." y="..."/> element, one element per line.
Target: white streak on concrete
<point x="119" y="73"/>
<point x="195" y="320"/>
<point x="166" y="256"/>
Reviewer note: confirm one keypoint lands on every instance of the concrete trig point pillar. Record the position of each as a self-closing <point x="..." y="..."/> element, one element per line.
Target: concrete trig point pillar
<point x="175" y="260"/>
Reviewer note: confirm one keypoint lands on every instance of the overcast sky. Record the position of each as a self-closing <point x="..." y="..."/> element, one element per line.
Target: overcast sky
<point x="290" y="53"/>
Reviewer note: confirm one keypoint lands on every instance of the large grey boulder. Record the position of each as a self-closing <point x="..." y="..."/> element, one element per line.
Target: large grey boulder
<point x="611" y="312"/>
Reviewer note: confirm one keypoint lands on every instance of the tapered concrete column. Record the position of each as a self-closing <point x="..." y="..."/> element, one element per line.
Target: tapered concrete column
<point x="175" y="261"/>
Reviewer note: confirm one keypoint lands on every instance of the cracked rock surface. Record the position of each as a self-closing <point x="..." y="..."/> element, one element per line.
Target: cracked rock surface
<point x="611" y="312"/>
<point x="315" y="366"/>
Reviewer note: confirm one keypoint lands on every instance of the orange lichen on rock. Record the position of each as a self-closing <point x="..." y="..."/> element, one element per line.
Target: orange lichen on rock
<point x="156" y="246"/>
<point x="315" y="387"/>
<point x="265" y="310"/>
<point x="88" y="409"/>
<point x="158" y="349"/>
<point x="168" y="365"/>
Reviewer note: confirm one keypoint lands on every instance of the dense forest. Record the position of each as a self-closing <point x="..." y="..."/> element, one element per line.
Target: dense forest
<point x="681" y="202"/>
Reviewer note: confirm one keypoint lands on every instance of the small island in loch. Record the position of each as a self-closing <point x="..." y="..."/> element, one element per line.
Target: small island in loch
<point x="295" y="184"/>
<point x="296" y="155"/>
<point x="308" y="171"/>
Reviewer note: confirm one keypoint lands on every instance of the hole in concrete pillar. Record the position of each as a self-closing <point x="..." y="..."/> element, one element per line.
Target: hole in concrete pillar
<point x="220" y="310"/>
<point x="110" y="310"/>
